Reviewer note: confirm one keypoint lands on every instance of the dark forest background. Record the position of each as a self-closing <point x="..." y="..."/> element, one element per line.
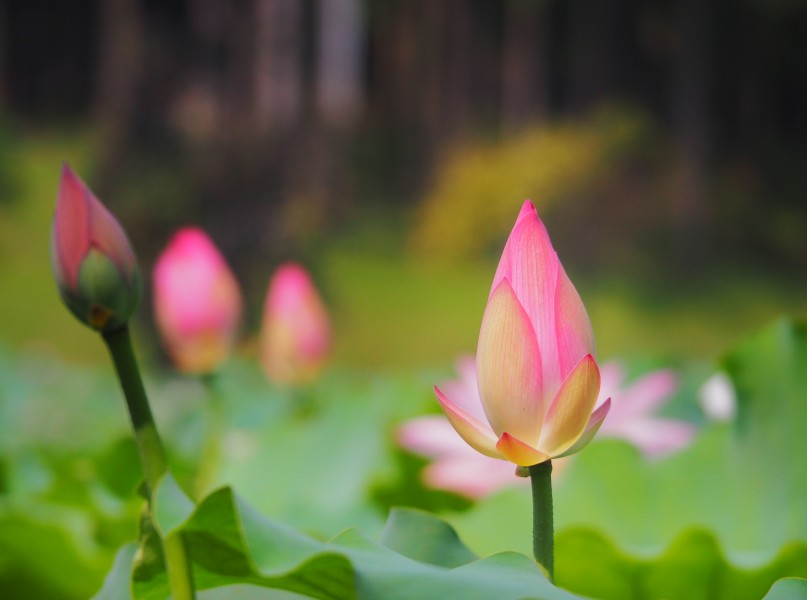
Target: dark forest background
<point x="662" y="138"/>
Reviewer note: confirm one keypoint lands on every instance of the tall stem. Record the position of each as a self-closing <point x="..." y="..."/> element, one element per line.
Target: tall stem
<point x="151" y="450"/>
<point x="149" y="445"/>
<point x="543" y="534"/>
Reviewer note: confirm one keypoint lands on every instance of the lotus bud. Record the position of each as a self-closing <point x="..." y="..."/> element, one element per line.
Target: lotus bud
<point x="536" y="375"/>
<point x="93" y="262"/>
<point x="296" y="333"/>
<point x="197" y="302"/>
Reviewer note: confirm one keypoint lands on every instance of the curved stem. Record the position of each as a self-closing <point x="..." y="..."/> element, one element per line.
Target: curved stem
<point x="151" y="451"/>
<point x="543" y="535"/>
<point x="149" y="445"/>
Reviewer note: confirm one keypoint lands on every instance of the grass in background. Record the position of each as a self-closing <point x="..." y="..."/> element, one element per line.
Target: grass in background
<point x="31" y="313"/>
<point x="390" y="310"/>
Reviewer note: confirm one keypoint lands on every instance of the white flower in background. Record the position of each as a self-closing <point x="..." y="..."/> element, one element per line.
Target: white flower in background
<point x="717" y="398"/>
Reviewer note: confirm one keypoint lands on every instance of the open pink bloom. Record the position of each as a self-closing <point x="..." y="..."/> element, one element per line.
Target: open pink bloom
<point x="197" y="302"/>
<point x="93" y="261"/>
<point x="537" y="379"/>
<point x="296" y="332"/>
<point x="457" y="468"/>
<point x="632" y="417"/>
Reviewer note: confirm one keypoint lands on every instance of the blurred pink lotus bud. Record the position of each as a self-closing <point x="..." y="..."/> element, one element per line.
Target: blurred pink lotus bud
<point x="537" y="379"/>
<point x="296" y="333"/>
<point x="92" y="259"/>
<point x="197" y="302"/>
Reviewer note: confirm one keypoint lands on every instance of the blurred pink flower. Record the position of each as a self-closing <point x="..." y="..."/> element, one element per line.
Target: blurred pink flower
<point x="457" y="467"/>
<point x="460" y="469"/>
<point x="296" y="331"/>
<point x="633" y="406"/>
<point x="197" y="302"/>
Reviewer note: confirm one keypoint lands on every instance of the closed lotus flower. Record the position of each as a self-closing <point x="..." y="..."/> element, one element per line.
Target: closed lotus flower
<point x="536" y="375"/>
<point x="296" y="333"/>
<point x="458" y="468"/>
<point x="197" y="302"/>
<point x="93" y="261"/>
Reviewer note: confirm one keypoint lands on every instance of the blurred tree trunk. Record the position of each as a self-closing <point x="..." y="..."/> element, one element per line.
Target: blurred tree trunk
<point x="445" y="66"/>
<point x="595" y="27"/>
<point x="460" y="66"/>
<point x="4" y="43"/>
<point x="421" y="62"/>
<point x="430" y="56"/>
<point x="120" y="69"/>
<point x="278" y="65"/>
<point x="317" y="185"/>
<point x="340" y="60"/>
<point x="525" y="83"/>
<point x="693" y="130"/>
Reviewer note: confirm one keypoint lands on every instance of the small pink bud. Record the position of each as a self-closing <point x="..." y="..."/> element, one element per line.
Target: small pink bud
<point x="92" y="259"/>
<point x="296" y="333"/>
<point x="197" y="302"/>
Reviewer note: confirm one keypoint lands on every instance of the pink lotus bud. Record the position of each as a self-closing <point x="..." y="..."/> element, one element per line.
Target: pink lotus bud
<point x="296" y="335"/>
<point x="536" y="375"/>
<point x="93" y="262"/>
<point x="197" y="302"/>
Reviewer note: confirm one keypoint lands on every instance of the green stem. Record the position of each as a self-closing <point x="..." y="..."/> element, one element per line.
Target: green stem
<point x="149" y="445"/>
<point x="151" y="450"/>
<point x="543" y="535"/>
<point x="180" y="571"/>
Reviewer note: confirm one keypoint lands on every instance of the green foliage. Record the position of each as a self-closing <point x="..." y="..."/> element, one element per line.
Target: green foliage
<point x="30" y="308"/>
<point x="471" y="204"/>
<point x="727" y="475"/>
<point x="788" y="589"/>
<point x="232" y="544"/>
<point x="692" y="567"/>
<point x="723" y="518"/>
<point x="744" y="487"/>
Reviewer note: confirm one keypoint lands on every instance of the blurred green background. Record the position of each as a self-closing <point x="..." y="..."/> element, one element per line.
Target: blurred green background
<point x="388" y="145"/>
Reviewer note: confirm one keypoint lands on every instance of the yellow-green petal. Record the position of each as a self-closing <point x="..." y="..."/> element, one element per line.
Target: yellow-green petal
<point x="571" y="408"/>
<point x="477" y="435"/>
<point x="508" y="364"/>
<point x="516" y="451"/>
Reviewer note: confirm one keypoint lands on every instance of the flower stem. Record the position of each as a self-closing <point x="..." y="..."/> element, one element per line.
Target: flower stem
<point x="149" y="445"/>
<point x="151" y="450"/>
<point x="543" y="535"/>
<point x="180" y="572"/>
